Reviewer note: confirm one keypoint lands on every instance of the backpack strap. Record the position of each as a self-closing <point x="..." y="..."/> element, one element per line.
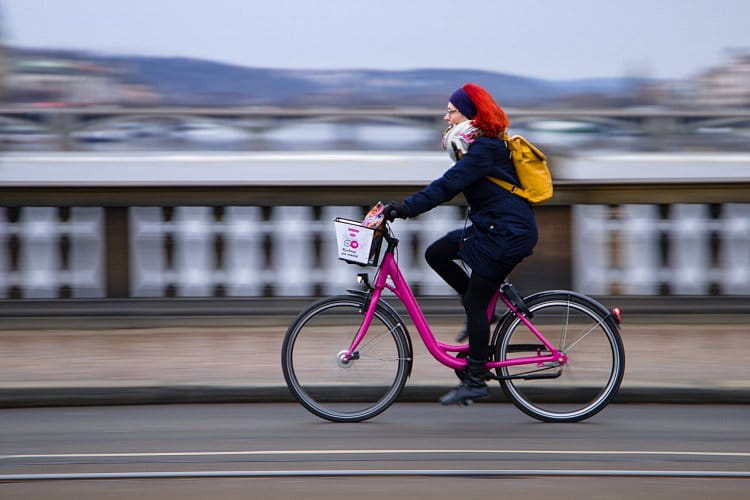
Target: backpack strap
<point x="503" y="184"/>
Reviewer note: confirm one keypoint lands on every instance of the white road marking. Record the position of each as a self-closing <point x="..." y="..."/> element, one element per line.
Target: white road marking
<point x="376" y="472"/>
<point x="375" y="452"/>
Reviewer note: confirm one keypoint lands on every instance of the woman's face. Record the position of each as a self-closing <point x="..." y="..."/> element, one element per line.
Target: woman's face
<point x="453" y="116"/>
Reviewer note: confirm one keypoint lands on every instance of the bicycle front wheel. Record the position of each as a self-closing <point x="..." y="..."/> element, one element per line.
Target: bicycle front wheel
<point x="579" y="328"/>
<point x="338" y="390"/>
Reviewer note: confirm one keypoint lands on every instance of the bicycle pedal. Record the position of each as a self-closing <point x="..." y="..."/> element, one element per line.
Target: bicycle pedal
<point x="465" y="403"/>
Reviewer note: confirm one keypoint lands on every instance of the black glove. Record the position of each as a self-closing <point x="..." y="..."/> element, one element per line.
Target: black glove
<point x="396" y="210"/>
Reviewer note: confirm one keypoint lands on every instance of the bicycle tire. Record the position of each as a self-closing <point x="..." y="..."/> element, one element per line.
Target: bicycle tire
<point x="582" y="329"/>
<point x="345" y="392"/>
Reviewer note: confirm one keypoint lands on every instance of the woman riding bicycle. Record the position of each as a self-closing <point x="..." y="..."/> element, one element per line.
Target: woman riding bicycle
<point x="503" y="230"/>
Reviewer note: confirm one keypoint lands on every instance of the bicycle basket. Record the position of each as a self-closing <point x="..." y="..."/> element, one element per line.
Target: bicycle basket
<point x="358" y="244"/>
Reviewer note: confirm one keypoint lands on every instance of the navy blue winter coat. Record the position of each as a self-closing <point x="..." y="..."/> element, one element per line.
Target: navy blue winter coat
<point x="503" y="229"/>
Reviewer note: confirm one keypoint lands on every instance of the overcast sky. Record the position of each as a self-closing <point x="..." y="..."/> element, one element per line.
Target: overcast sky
<point x="554" y="39"/>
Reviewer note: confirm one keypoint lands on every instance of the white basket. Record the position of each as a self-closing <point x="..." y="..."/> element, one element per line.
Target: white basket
<point x="357" y="244"/>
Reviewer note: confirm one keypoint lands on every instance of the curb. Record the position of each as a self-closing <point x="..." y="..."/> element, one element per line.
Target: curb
<point x="147" y="395"/>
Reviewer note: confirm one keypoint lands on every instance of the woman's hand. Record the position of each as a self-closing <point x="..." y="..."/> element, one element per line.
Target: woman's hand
<point x="396" y="210"/>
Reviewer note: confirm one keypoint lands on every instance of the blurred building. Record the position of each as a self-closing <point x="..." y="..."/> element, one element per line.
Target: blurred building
<point x="45" y="80"/>
<point x="724" y="86"/>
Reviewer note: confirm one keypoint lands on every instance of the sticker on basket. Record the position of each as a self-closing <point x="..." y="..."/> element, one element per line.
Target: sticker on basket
<point x="354" y="242"/>
<point x="351" y="238"/>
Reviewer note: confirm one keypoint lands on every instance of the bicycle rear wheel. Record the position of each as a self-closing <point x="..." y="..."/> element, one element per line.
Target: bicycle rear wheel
<point x="579" y="328"/>
<point x="350" y="391"/>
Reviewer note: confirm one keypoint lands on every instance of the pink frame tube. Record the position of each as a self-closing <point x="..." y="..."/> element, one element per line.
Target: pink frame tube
<point x="439" y="350"/>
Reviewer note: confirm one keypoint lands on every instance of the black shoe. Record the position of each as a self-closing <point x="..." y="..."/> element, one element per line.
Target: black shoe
<point x="463" y="393"/>
<point x="472" y="387"/>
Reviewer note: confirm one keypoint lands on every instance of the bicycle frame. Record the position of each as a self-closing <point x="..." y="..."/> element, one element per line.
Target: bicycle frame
<point x="439" y="350"/>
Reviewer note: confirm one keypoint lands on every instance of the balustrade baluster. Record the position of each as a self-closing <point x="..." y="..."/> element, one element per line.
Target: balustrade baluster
<point x="292" y="250"/>
<point x="147" y="251"/>
<point x="734" y="251"/>
<point x="40" y="252"/>
<point x="243" y="250"/>
<point x="195" y="257"/>
<point x="86" y="251"/>
<point x="641" y="252"/>
<point x="689" y="256"/>
<point x="591" y="257"/>
<point x="6" y="280"/>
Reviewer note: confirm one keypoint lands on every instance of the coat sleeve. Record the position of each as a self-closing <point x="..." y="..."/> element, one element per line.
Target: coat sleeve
<point x="476" y="164"/>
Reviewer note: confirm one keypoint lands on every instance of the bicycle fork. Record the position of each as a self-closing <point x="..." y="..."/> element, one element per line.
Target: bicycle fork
<point x="371" y="304"/>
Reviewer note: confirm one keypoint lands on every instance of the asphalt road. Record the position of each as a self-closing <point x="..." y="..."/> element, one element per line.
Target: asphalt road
<point x="410" y="451"/>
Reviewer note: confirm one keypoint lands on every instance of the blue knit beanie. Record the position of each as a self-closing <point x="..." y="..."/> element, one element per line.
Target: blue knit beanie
<point x="463" y="103"/>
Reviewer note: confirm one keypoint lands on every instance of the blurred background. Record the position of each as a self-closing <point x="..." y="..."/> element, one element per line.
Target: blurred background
<point x="169" y="175"/>
<point x="201" y="149"/>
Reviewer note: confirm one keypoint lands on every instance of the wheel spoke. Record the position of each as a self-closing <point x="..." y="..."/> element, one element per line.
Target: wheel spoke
<point x="375" y="358"/>
<point x="569" y="347"/>
<point x="377" y="337"/>
<point x="565" y="324"/>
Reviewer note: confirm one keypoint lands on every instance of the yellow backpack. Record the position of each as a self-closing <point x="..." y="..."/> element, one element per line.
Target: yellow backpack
<point x="532" y="170"/>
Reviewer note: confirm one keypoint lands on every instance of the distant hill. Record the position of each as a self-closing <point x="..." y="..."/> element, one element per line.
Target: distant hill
<point x="202" y="82"/>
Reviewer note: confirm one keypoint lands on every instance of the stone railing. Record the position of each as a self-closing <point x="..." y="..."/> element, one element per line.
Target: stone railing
<point x="221" y="225"/>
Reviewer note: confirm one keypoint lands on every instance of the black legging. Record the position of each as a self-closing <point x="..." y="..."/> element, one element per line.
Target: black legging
<point x="474" y="290"/>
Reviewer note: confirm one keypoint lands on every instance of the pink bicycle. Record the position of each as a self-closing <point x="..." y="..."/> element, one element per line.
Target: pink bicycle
<point x="346" y="358"/>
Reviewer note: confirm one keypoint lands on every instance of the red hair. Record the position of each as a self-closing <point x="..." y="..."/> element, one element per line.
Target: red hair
<point x="490" y="118"/>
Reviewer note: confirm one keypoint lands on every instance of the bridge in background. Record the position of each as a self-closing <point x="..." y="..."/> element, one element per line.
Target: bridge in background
<point x="63" y="125"/>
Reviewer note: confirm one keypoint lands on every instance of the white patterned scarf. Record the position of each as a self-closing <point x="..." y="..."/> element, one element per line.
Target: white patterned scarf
<point x="457" y="139"/>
